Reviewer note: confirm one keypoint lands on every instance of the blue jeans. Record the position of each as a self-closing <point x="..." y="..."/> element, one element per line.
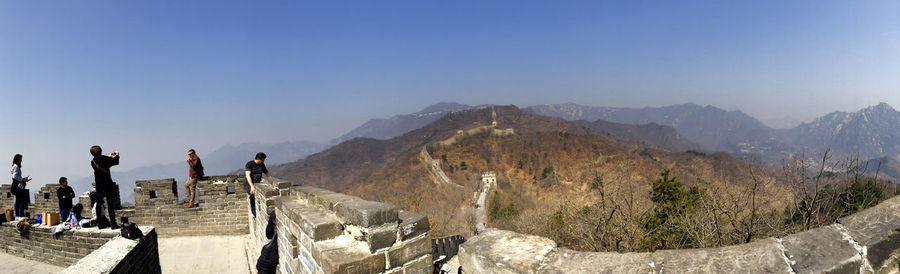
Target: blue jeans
<point x="252" y="199"/>
<point x="21" y="205"/>
<point x="63" y="215"/>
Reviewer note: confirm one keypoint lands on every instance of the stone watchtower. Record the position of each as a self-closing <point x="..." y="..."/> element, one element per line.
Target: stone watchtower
<point x="488" y="178"/>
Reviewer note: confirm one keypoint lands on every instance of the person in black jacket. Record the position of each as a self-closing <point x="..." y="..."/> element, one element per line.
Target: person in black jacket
<point x="254" y="171"/>
<point x="65" y="193"/>
<point x="268" y="256"/>
<point x="102" y="178"/>
<point x="19" y="188"/>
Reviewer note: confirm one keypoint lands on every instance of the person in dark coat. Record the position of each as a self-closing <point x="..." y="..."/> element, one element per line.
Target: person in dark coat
<point x="101" y="164"/>
<point x="254" y="170"/>
<point x="65" y="193"/>
<point x="195" y="171"/>
<point x="268" y="256"/>
<point x="19" y="187"/>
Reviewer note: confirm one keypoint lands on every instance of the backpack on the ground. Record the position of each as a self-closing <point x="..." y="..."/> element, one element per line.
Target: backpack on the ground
<point x="22" y="226"/>
<point x="131" y="231"/>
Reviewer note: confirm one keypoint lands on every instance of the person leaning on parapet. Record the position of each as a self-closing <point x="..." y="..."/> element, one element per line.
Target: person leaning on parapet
<point x="102" y="178"/>
<point x="254" y="170"/>
<point x="195" y="171"/>
<point x="18" y="187"/>
<point x="65" y="193"/>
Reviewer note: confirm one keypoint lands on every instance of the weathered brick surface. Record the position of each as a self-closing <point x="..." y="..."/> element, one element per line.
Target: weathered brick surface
<point x="367" y="213"/>
<point x="821" y="250"/>
<point x="878" y="229"/>
<point x="6" y="198"/>
<point x="409" y="251"/>
<point x="39" y="245"/>
<point x="44" y="199"/>
<point x="865" y="242"/>
<point x="313" y="237"/>
<point x="120" y="255"/>
<point x="380" y="237"/>
<point x="412" y="224"/>
<point x="222" y="207"/>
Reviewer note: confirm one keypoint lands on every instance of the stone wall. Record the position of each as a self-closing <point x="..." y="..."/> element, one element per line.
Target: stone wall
<point x="6" y="198"/>
<point x="320" y="231"/>
<point x="865" y="242"/>
<point x="121" y="255"/>
<point x="45" y="199"/>
<point x="446" y="247"/>
<point x="39" y="245"/>
<point x="222" y="207"/>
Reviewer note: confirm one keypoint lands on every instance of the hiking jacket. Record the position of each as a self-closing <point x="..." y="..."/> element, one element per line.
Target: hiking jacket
<point x="196" y="168"/>
<point x="101" y="165"/>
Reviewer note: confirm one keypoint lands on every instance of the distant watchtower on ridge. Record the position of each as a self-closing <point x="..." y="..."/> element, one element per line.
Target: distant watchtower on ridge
<point x="488" y="178"/>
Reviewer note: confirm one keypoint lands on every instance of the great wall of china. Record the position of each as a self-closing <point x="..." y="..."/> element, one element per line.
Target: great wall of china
<point x="320" y="231"/>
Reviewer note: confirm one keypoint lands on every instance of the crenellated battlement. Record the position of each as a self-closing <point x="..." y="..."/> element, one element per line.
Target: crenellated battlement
<point x="320" y="231"/>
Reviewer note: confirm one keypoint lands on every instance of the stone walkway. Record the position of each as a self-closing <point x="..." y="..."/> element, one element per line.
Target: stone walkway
<point x="14" y="264"/>
<point x="204" y="254"/>
<point x="480" y="211"/>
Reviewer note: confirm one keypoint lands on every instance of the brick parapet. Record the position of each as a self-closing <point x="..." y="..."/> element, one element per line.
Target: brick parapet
<point x="39" y="245"/>
<point x="121" y="255"/>
<point x="320" y="231"/>
<point x="221" y="207"/>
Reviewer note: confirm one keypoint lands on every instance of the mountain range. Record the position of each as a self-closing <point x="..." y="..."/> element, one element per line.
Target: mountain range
<point x="397" y="125"/>
<point x="872" y="132"/>
<point x="539" y="162"/>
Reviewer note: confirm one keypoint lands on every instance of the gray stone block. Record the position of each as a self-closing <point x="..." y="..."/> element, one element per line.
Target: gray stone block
<point x="409" y="251"/>
<point x="412" y="224"/>
<point x="821" y="250"/>
<point x="330" y="200"/>
<point x="352" y="260"/>
<point x="499" y="251"/>
<point x="306" y="191"/>
<point x="319" y="225"/>
<point x="421" y="265"/>
<point x="878" y="229"/>
<point x="568" y="261"/>
<point x="380" y="237"/>
<point x="367" y="213"/>
<point x="762" y="256"/>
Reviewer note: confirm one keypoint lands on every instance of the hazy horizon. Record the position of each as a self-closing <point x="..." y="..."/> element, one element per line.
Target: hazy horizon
<point x="154" y="79"/>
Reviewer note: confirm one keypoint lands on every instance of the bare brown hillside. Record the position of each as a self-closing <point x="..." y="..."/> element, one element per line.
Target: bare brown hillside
<point x="542" y="163"/>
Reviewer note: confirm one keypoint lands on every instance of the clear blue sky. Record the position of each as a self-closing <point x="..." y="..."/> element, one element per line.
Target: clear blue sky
<point x="152" y="78"/>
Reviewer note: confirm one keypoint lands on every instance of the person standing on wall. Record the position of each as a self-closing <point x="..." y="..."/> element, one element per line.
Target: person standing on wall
<point x="65" y="193"/>
<point x="101" y="164"/>
<point x="195" y="171"/>
<point x="254" y="170"/>
<point x="18" y="186"/>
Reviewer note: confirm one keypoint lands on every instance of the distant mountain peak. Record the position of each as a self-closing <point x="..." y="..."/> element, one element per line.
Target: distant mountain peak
<point x="882" y="107"/>
<point x="443" y="107"/>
